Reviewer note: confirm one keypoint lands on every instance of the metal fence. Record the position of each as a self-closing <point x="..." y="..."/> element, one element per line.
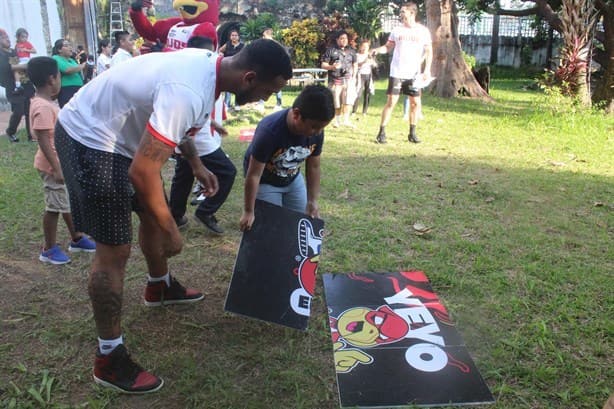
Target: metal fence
<point x="509" y="26"/>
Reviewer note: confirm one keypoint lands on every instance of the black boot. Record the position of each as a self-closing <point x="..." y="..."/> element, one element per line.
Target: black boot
<point x="381" y="136"/>
<point x="412" y="134"/>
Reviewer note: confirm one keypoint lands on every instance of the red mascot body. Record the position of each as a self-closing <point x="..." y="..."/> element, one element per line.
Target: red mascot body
<point x="198" y="18"/>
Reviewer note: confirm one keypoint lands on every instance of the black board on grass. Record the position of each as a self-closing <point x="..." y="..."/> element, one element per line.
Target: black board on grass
<point x="394" y="344"/>
<point x="275" y="271"/>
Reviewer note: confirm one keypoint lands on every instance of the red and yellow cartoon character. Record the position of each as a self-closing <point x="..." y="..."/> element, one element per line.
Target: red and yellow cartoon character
<point x="364" y="328"/>
<point x="198" y="18"/>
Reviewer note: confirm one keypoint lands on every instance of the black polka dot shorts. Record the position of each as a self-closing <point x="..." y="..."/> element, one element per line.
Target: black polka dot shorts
<point x="100" y="193"/>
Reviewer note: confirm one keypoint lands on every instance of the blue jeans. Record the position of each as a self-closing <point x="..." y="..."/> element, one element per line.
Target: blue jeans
<point x="293" y="196"/>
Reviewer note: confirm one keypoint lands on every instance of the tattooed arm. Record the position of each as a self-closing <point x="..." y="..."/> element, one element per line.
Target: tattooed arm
<point x="204" y="176"/>
<point x="144" y="174"/>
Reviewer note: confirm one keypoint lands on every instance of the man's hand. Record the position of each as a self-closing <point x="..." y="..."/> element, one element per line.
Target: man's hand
<point x="247" y="220"/>
<point x="208" y="180"/>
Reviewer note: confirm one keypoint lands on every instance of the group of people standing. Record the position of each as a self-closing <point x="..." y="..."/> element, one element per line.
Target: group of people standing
<point x="103" y="156"/>
<point x="350" y="72"/>
<point x="76" y="68"/>
<point x="100" y="158"/>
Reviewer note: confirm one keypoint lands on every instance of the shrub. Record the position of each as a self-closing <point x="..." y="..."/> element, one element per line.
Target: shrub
<point x="252" y="28"/>
<point x="303" y="38"/>
<point x="470" y="60"/>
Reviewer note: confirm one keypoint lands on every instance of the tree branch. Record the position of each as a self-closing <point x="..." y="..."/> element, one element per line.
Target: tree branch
<point x="542" y="9"/>
<point x="516" y="13"/>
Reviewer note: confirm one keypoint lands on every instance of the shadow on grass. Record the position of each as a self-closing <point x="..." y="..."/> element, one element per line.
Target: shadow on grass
<point x="520" y="256"/>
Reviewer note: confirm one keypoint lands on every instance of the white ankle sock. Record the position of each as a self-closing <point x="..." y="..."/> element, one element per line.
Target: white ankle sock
<point x="166" y="278"/>
<point x="106" y="346"/>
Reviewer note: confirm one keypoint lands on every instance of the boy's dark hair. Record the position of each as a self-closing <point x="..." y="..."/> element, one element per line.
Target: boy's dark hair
<point x="118" y="35"/>
<point x="201" y="42"/>
<point x="40" y="69"/>
<point x="315" y="102"/>
<point x="268" y="59"/>
<point x="21" y="31"/>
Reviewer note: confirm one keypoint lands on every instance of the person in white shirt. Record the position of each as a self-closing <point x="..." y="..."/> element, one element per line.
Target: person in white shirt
<point x="113" y="138"/>
<point x="208" y="143"/>
<point x="125" y="48"/>
<point x="104" y="56"/>
<point x="411" y="43"/>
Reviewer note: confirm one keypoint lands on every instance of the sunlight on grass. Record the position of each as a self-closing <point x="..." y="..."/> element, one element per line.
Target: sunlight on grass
<point x="518" y="198"/>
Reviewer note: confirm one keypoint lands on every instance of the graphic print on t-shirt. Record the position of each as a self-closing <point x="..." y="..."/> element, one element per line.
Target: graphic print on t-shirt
<point x="285" y="162"/>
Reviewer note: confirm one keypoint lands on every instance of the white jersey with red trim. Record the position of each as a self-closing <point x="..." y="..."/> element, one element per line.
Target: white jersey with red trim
<point x="207" y="140"/>
<point x="409" y="45"/>
<point x="178" y="36"/>
<point x="170" y="94"/>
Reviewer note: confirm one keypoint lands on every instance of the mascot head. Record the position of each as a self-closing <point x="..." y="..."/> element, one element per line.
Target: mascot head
<point x="198" y="11"/>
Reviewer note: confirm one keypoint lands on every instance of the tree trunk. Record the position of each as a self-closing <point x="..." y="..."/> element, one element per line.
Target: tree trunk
<point x="583" y="90"/>
<point x="494" y="40"/>
<point x="604" y="90"/>
<point x="453" y="75"/>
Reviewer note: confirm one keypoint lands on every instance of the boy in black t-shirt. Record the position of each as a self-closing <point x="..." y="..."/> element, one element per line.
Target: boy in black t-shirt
<point x="282" y="141"/>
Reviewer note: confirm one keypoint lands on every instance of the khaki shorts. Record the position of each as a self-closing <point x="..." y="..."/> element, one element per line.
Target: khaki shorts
<point x="339" y="89"/>
<point x="56" y="196"/>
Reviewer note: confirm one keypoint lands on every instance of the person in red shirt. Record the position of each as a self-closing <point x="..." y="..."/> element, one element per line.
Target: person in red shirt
<point x="23" y="47"/>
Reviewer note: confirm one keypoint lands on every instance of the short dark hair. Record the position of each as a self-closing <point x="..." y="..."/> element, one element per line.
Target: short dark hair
<point x="40" y="69"/>
<point x="315" y="102"/>
<point x="340" y="33"/>
<point x="118" y="35"/>
<point x="410" y="6"/>
<point x="201" y="42"/>
<point x="267" y="58"/>
<point x="103" y="44"/>
<point x="21" y="31"/>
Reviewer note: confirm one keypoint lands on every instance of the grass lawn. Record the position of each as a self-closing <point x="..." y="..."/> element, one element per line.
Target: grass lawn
<point x="519" y="196"/>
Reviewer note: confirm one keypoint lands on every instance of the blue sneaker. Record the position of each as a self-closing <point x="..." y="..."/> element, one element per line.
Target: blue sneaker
<point x="83" y="244"/>
<point x="54" y="255"/>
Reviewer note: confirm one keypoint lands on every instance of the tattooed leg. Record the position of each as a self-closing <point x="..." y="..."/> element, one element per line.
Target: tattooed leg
<point x="105" y="287"/>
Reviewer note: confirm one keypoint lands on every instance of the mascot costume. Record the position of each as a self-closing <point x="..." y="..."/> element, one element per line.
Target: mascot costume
<point x="198" y="18"/>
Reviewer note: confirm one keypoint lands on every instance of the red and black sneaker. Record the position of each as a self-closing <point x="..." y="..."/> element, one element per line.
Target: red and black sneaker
<point x="159" y="293"/>
<point x="118" y="371"/>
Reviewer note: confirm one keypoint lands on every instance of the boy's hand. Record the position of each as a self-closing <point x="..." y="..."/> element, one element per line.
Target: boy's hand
<point x="247" y="220"/>
<point x="312" y="209"/>
<point x="58" y="176"/>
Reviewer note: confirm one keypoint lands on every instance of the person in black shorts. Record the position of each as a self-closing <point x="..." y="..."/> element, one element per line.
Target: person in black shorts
<point x="112" y="150"/>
